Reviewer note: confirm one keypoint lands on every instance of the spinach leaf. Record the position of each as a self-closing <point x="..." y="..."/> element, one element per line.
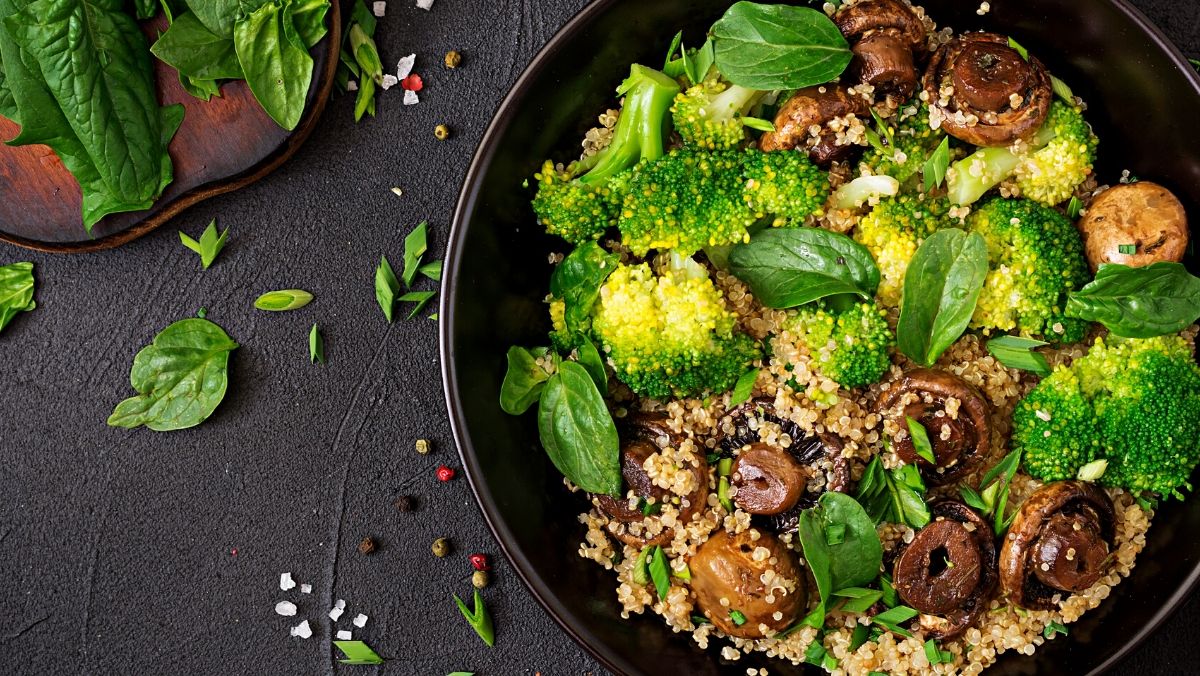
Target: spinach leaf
<point x="1143" y="302"/>
<point x="145" y="9"/>
<point x="941" y="287"/>
<point x="577" y="281"/>
<point x="16" y="291"/>
<point x="308" y="16"/>
<point x="200" y="89"/>
<point x="196" y="52"/>
<point x="578" y="432"/>
<point x="778" y="46"/>
<point x="589" y="358"/>
<point x="221" y="15"/>
<point x="180" y="378"/>
<point x="524" y="379"/>
<point x="786" y="267"/>
<point x="8" y="106"/>
<point x="852" y="563"/>
<point x="276" y="63"/>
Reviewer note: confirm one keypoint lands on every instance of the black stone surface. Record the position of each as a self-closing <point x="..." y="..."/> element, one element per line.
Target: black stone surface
<point x="131" y="552"/>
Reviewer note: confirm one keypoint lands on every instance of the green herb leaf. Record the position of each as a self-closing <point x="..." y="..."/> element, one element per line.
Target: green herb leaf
<point x="660" y="573"/>
<point x="415" y="245"/>
<point x="210" y="243"/>
<point x="578" y="432"/>
<point x="920" y="439"/>
<point x="787" y="267"/>
<point x="316" y="345"/>
<point x="589" y="358"/>
<point x="778" y="46"/>
<point x="1062" y="90"/>
<point x="1074" y="207"/>
<point x="859" y="599"/>
<point x="421" y="298"/>
<point x="180" y="378"/>
<point x="1054" y="628"/>
<point x="16" y="291"/>
<point x="479" y="619"/>
<point x="523" y="381"/>
<point x="935" y="166"/>
<point x="1017" y="352"/>
<point x="357" y="652"/>
<point x="941" y="288"/>
<point x="308" y="16"/>
<point x="195" y="51"/>
<point x="702" y="60"/>
<point x="758" y="124"/>
<point x="1093" y="470"/>
<point x="936" y="655"/>
<point x="852" y="563"/>
<point x="859" y="637"/>
<point x="386" y="287"/>
<point x="892" y="618"/>
<point x="743" y="388"/>
<point x="283" y="300"/>
<point x="276" y="63"/>
<point x="432" y="270"/>
<point x="1144" y="302"/>
<point x="577" y="281"/>
<point x="737" y="617"/>
<point x="817" y="655"/>
<point x="1020" y="50"/>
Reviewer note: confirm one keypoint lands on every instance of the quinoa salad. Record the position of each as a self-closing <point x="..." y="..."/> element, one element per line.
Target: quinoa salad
<point x="855" y="358"/>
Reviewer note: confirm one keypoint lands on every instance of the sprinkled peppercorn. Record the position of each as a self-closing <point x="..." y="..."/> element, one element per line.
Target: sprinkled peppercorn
<point x="479" y="579"/>
<point x="453" y="58"/>
<point x="406" y="503"/>
<point x="444" y="473"/>
<point x="441" y="132"/>
<point x="423" y="446"/>
<point x="366" y="546"/>
<point x="479" y="562"/>
<point x="441" y="547"/>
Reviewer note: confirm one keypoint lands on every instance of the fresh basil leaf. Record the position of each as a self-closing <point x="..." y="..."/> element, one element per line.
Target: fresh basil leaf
<point x="415" y="245"/>
<point x="941" y="288"/>
<point x="852" y="563"/>
<point x="920" y="439"/>
<point x="16" y="291"/>
<point x="577" y="281"/>
<point x="786" y="267"/>
<point x="590" y="359"/>
<point x="180" y="378"/>
<point x="1144" y="302"/>
<point x="195" y="51"/>
<point x="308" y="16"/>
<point x="743" y="388"/>
<point x="1017" y="352"/>
<point x="283" y="300"/>
<point x="578" y="432"/>
<point x="523" y="381"/>
<point x="316" y="345"/>
<point x="778" y="46"/>
<point x="210" y="243"/>
<point x="659" y="572"/>
<point x="357" y="652"/>
<point x="276" y="63"/>
<point x="386" y="287"/>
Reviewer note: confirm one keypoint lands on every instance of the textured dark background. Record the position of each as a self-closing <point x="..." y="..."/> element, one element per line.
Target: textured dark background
<point x="134" y="552"/>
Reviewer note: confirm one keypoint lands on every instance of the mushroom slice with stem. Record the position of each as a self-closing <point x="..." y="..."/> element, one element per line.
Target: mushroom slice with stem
<point x="807" y="121"/>
<point x="1058" y="544"/>
<point x="954" y="414"/>
<point x="1135" y="224"/>
<point x="644" y="435"/>
<point x="984" y="92"/>
<point x="746" y="581"/>
<point x="948" y="571"/>
<point x="886" y="35"/>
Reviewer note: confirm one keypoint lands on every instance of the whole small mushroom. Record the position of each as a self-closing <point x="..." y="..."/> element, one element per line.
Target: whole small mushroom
<point x="768" y="480"/>
<point x="802" y="123"/>
<point x="886" y="36"/>
<point x="1135" y="224"/>
<point x="727" y="578"/>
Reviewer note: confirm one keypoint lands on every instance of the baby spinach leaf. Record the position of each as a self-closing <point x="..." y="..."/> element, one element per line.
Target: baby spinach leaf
<point x="1143" y="302"/>
<point x="578" y="432"/>
<point x="778" y="46"/>
<point x="180" y="378"/>
<point x="146" y="9"/>
<point x="16" y="291"/>
<point x="786" y="267"/>
<point x="200" y="89"/>
<point x="195" y="51"/>
<point x="854" y="562"/>
<point x="941" y="287"/>
<point x="524" y="379"/>
<point x="577" y="281"/>
<point x="276" y="63"/>
<point x="220" y="15"/>
<point x="589" y="358"/>
<point x="308" y="16"/>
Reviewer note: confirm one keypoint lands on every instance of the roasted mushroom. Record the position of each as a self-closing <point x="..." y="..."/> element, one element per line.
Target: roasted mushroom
<point x="984" y="92"/>
<point x="1135" y="224"/>
<point x="885" y="34"/>
<point x="954" y="414"/>
<point x="643" y="435"/>
<point x="1058" y="544"/>
<point x="807" y="121"/>
<point x="948" y="571"/>
<point x="796" y="464"/>
<point x="728" y="578"/>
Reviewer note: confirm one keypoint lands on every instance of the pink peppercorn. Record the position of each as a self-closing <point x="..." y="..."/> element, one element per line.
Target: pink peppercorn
<point x="444" y="473"/>
<point x="480" y="562"/>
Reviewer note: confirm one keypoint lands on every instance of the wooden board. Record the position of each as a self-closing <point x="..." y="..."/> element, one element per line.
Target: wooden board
<point x="222" y="145"/>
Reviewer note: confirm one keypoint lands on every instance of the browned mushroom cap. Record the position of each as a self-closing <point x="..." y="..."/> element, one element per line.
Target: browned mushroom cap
<point x="885" y="34"/>
<point x="1058" y="544"/>
<point x="948" y="571"/>
<point x="728" y="577"/>
<point x="984" y="92"/>
<point x="768" y="479"/>
<point x="643" y="435"/>
<point x="1142" y="214"/>
<point x="960" y="441"/>
<point x="811" y="109"/>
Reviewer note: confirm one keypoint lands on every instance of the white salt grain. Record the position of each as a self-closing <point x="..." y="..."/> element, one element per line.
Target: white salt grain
<point x="306" y="589"/>
<point x="425" y="4"/>
<point x="303" y="630"/>
<point x="410" y="98"/>
<point x="343" y="635"/>
<point x="285" y="608"/>
<point x="352" y="86"/>
<point x="389" y="81"/>
<point x="360" y="620"/>
<point x="378" y="8"/>
<point x="286" y="582"/>
<point x="336" y="613"/>
<point x="404" y="66"/>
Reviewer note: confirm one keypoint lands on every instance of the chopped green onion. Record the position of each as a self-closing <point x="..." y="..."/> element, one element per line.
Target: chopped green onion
<point x="699" y="620"/>
<point x="479" y="619"/>
<point x="283" y="300"/>
<point x="737" y="617"/>
<point x="859" y="637"/>
<point x="725" y="467"/>
<point x="685" y="574"/>
<point x="415" y="244"/>
<point x="1062" y="90"/>
<point x="935" y="167"/>
<point x="659" y="572"/>
<point x="1020" y="50"/>
<point x="675" y="42"/>
<point x="892" y="618"/>
<point x="890" y="598"/>
<point x="386" y="287"/>
<point x="1017" y="352"/>
<point x="316" y="345"/>
<point x="937" y="656"/>
<point x="1093" y="470"/>
<point x="432" y="270"/>
<point x="817" y="655"/>
<point x="1127" y="249"/>
<point x="758" y="124"/>
<point x="920" y="439"/>
<point x="744" y="388"/>
<point x="357" y="652"/>
<point x="712" y="458"/>
<point x="650" y="508"/>
<point x="1054" y="628"/>
<point x="640" y="574"/>
<point x="723" y="494"/>
<point x="835" y="533"/>
<point x="859" y="599"/>
<point x="1074" y="207"/>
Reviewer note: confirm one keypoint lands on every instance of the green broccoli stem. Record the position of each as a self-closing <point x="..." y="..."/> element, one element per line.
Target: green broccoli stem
<point x="639" y="134"/>
<point x="735" y="101"/>
<point x="971" y="177"/>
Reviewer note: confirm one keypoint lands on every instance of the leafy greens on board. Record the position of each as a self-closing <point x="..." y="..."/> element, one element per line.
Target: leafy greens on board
<point x="1143" y="302"/>
<point x="16" y="291"/>
<point x="787" y="267"/>
<point x="941" y="288"/>
<point x="180" y="378"/>
<point x="778" y="46"/>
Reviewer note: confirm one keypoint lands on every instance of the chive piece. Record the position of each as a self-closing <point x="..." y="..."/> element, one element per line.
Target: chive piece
<point x="415" y="245"/>
<point x="737" y="617"/>
<point x="931" y="652"/>
<point x="210" y="243"/>
<point x="890" y="598"/>
<point x="1127" y="249"/>
<point x="935" y="167"/>
<point x="357" y="652"/>
<point x="202" y="313"/>
<point x="835" y="533"/>
<point x="699" y="620"/>
<point x="1093" y="470"/>
<point x="386" y="287"/>
<point x="685" y="574"/>
<point x="859" y="638"/>
<point x="421" y="298"/>
<point x="1020" y="50"/>
<point x="675" y="42"/>
<point x="659" y="572"/>
<point x="283" y="300"/>
<point x="1054" y="628"/>
<point x="892" y="618"/>
<point x="1074" y="207"/>
<point x="316" y="345"/>
<point x="1017" y="352"/>
<point x="860" y="603"/>
<point x="480" y="620"/>
<point x="723" y="494"/>
<point x="744" y="388"/>
<point x="1062" y="90"/>
<point x="724" y="466"/>
<point x="920" y="439"/>
<point x="432" y="270"/>
<point x="817" y="655"/>
<point x="758" y="124"/>
<point x="640" y="574"/>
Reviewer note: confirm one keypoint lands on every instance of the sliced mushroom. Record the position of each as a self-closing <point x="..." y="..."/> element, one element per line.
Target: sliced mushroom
<point x="643" y="435"/>
<point x="803" y="123"/>
<point x="960" y="440"/>
<point x="794" y="463"/>
<point x="1141" y="215"/>
<point x="1058" y="544"/>
<point x="885" y="34"/>
<point x="948" y="571"/>
<point x="984" y="92"/>
<point x="728" y="576"/>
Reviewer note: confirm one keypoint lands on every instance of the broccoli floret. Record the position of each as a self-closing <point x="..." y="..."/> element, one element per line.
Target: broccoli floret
<point x="848" y="339"/>
<point x="912" y="141"/>
<point x="580" y="203"/>
<point x="709" y="115"/>
<point x="670" y="334"/>
<point x="1134" y="403"/>
<point x="686" y="201"/>
<point x="1035" y="257"/>
<point x="785" y="184"/>
<point x="893" y="230"/>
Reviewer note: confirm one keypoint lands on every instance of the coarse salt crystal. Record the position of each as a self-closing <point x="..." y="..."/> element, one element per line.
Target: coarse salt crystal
<point x="410" y="98"/>
<point x="285" y="608"/>
<point x="352" y="86"/>
<point x="404" y="66"/>
<point x="286" y="582"/>
<point x="389" y="81"/>
<point x="306" y="589"/>
<point x="335" y="614"/>
<point x="343" y="635"/>
<point x="378" y="8"/>
<point x="360" y="620"/>
<point x="303" y="630"/>
<point x="425" y="4"/>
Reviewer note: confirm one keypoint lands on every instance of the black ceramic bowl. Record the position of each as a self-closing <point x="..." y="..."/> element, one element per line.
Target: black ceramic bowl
<point x="1144" y="103"/>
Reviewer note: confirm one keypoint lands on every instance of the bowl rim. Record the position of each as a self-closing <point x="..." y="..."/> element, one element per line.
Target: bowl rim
<point x="466" y="206"/>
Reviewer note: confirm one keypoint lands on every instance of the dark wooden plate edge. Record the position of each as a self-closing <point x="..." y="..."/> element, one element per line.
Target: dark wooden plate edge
<point x="204" y="192"/>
